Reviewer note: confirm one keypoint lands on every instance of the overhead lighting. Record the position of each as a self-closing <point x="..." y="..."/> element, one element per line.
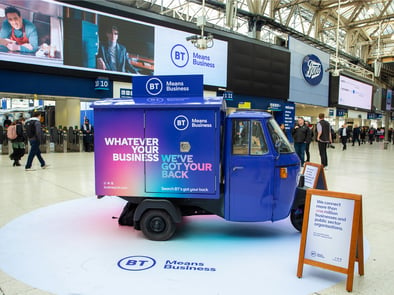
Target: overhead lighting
<point x="371" y="11"/>
<point x="201" y="42"/>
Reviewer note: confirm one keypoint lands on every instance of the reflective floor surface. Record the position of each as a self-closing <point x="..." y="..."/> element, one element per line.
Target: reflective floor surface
<point x="35" y="205"/>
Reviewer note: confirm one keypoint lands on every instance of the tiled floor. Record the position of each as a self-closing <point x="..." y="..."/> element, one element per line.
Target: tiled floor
<point x="365" y="170"/>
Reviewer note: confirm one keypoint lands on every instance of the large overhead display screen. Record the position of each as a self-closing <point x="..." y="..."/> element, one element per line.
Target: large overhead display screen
<point x="44" y="32"/>
<point x="354" y="93"/>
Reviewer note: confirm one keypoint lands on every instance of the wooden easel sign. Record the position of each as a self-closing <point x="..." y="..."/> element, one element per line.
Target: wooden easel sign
<point x="314" y="176"/>
<point x="332" y="233"/>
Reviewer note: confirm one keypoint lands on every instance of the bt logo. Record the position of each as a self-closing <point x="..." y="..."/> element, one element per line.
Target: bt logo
<point x="181" y="122"/>
<point x="154" y="86"/>
<point x="179" y="55"/>
<point x="136" y="263"/>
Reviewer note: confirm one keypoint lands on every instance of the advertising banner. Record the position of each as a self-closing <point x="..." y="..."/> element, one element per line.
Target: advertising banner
<point x="168" y="86"/>
<point x="176" y="55"/>
<point x="389" y="96"/>
<point x="185" y="164"/>
<point x="120" y="152"/>
<point x="308" y="76"/>
<point x="55" y="35"/>
<point x="144" y="149"/>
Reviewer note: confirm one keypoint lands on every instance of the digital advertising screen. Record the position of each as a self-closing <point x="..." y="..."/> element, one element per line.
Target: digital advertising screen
<point x="354" y="93"/>
<point x="31" y="32"/>
<point x="49" y="33"/>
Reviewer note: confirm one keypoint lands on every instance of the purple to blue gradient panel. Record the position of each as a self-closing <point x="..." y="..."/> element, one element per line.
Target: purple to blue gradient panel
<point x="114" y="176"/>
<point x="177" y="168"/>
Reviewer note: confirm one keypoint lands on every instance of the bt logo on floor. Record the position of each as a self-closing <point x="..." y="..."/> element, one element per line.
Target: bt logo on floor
<point x="136" y="263"/>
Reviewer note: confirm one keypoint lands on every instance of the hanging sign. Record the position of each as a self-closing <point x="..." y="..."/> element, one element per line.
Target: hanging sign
<point x="332" y="233"/>
<point x="101" y="83"/>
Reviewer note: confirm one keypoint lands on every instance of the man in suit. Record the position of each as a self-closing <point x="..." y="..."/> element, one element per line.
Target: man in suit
<point x="113" y="56"/>
<point x="344" y="135"/>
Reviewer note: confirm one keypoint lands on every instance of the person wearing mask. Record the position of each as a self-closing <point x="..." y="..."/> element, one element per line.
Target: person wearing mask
<point x="34" y="134"/>
<point x="301" y="134"/>
<point x="323" y="138"/>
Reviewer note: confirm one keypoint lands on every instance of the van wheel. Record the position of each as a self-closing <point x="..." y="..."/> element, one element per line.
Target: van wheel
<point x="157" y="225"/>
<point x="127" y="215"/>
<point x="297" y="217"/>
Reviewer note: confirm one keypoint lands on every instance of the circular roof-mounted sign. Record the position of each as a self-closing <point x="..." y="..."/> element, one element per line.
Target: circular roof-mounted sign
<point x="312" y="69"/>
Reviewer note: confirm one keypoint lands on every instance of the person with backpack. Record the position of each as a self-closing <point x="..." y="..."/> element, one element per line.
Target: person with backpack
<point x="15" y="134"/>
<point x="34" y="134"/>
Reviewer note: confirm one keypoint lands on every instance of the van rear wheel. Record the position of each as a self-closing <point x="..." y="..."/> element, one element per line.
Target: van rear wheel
<point x="297" y="217"/>
<point x="157" y="225"/>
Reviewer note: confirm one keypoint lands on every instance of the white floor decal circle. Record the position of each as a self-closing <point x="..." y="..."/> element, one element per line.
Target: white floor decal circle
<point x="77" y="247"/>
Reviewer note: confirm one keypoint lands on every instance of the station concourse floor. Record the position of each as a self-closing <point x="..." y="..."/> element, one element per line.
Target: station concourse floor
<point x="365" y="170"/>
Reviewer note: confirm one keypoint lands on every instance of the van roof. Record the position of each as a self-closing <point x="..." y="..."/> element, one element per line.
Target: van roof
<point x="160" y="102"/>
<point x="250" y="114"/>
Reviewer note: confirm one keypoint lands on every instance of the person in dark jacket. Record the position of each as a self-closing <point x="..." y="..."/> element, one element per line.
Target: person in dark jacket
<point x="35" y="141"/>
<point x="344" y="135"/>
<point x="18" y="144"/>
<point x="301" y="134"/>
<point x="308" y="141"/>
<point x="356" y="135"/>
<point x="371" y="134"/>
<point x="7" y="122"/>
<point x="363" y="134"/>
<point x="323" y="138"/>
<point x="87" y="131"/>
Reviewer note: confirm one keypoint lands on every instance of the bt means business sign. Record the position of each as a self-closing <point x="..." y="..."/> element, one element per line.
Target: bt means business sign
<point x="176" y="56"/>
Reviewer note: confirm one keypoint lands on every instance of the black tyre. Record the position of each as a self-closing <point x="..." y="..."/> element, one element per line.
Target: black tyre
<point x="297" y="217"/>
<point x="127" y="215"/>
<point x="157" y="225"/>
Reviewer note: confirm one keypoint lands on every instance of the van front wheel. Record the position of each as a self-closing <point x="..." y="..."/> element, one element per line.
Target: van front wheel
<point x="157" y="225"/>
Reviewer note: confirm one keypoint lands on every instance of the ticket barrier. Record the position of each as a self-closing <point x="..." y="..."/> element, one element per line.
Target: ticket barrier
<point x="74" y="140"/>
<point x="60" y="140"/>
<point x="45" y="143"/>
<point x="4" y="142"/>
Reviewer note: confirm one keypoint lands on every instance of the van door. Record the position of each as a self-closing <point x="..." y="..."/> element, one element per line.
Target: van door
<point x="250" y="172"/>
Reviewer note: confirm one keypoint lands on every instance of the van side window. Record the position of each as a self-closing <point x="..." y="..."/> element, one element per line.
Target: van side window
<point x="240" y="137"/>
<point x="259" y="145"/>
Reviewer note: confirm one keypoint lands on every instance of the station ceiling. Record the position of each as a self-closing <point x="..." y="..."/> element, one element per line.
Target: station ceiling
<point x="361" y="30"/>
